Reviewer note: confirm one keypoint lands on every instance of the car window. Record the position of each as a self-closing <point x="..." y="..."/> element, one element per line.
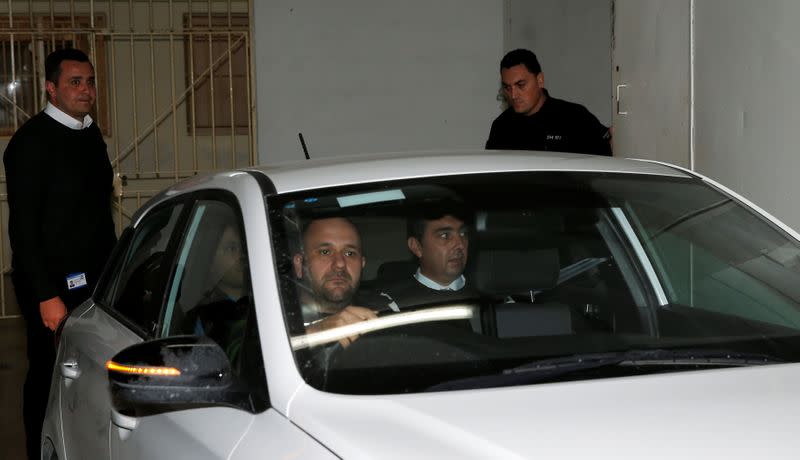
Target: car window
<point x="211" y="293"/>
<point x="526" y="267"/>
<point x="749" y="274"/>
<point x="139" y="285"/>
<point x="104" y="294"/>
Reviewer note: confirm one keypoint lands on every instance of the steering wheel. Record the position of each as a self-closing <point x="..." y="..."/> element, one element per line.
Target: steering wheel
<point x="408" y="345"/>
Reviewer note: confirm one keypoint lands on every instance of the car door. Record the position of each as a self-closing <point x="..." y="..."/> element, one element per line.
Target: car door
<point x="125" y="310"/>
<point x="209" y="294"/>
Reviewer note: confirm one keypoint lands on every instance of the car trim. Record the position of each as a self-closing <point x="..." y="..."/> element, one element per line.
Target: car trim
<point x="630" y="234"/>
<point x="267" y="187"/>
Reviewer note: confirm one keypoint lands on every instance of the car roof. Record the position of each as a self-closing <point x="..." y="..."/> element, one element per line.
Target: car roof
<point x="357" y="169"/>
<point x="328" y="172"/>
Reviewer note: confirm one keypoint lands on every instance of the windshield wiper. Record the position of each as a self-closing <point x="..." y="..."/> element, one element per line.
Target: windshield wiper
<point x="555" y="368"/>
<point x="700" y="357"/>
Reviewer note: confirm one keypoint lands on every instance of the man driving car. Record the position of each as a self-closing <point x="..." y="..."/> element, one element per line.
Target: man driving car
<point x="329" y="267"/>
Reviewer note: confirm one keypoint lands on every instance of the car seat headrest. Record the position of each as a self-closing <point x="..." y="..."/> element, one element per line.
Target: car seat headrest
<point x="513" y="271"/>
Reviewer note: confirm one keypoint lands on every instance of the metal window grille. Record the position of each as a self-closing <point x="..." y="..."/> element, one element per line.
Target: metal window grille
<point x="174" y="96"/>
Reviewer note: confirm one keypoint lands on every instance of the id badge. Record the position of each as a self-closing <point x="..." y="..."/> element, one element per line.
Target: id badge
<point x="76" y="281"/>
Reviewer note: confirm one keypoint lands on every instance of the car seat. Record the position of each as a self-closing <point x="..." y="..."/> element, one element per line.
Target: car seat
<point x="514" y="278"/>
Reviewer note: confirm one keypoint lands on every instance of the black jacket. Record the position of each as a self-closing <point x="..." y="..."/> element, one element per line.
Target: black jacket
<point x="558" y="126"/>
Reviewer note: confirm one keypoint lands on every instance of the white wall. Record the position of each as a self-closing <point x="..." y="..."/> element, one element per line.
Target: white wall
<point x="572" y="39"/>
<point x="358" y="76"/>
<point x="744" y="99"/>
<point x="651" y="58"/>
<point x="747" y="98"/>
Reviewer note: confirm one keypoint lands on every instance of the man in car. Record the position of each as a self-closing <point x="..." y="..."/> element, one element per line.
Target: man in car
<point x="329" y="269"/>
<point x="222" y="312"/>
<point x="438" y="237"/>
<point x="536" y="121"/>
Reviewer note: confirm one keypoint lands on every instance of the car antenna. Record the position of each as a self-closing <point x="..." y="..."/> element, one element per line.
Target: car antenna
<point x="303" y="143"/>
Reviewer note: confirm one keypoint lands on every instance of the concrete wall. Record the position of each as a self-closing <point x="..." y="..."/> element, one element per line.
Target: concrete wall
<point x="746" y="99"/>
<point x="359" y="76"/>
<point x="741" y="109"/>
<point x="572" y="39"/>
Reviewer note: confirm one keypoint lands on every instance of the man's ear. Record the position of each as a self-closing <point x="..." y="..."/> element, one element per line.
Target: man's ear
<point x="363" y="262"/>
<point x="297" y="261"/>
<point x="51" y="90"/>
<point x="540" y="79"/>
<point x="415" y="247"/>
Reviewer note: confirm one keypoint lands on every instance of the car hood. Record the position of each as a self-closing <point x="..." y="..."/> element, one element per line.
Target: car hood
<point x="726" y="413"/>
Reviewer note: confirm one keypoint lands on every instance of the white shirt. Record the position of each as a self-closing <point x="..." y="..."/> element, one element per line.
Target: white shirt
<point x="456" y="285"/>
<point x="66" y="120"/>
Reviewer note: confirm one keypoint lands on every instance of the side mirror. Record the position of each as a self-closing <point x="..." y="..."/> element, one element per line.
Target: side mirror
<point x="174" y="373"/>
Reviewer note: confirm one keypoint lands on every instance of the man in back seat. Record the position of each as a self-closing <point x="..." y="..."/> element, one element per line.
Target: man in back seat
<point x="438" y="237"/>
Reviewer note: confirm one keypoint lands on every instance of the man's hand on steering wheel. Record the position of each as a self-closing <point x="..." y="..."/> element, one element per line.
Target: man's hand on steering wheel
<point x="349" y="315"/>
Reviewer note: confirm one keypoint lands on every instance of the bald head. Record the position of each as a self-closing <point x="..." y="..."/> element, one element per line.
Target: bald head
<point x="331" y="261"/>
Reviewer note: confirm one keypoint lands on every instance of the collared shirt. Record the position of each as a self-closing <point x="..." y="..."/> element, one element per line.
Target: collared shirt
<point x="66" y="120"/>
<point x="456" y="285"/>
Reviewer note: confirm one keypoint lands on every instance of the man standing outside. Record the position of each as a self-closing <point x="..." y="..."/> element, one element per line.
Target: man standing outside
<point x="536" y="121"/>
<point x="61" y="228"/>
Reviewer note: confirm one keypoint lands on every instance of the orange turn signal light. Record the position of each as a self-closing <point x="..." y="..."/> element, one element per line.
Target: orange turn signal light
<point x="143" y="370"/>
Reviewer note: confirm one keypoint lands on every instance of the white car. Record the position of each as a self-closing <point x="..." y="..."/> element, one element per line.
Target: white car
<point x="611" y="309"/>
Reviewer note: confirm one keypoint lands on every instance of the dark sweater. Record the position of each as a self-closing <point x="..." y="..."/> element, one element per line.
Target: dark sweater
<point x="558" y="126"/>
<point x="59" y="183"/>
<point x="410" y="293"/>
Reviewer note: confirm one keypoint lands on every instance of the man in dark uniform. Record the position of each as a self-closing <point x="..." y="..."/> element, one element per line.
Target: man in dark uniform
<point x="438" y="236"/>
<point x="536" y="121"/>
<point x="61" y="227"/>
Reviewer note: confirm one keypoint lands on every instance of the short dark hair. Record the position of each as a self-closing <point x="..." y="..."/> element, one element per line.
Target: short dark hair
<point x="524" y="57"/>
<point x="52" y="64"/>
<point x="419" y="218"/>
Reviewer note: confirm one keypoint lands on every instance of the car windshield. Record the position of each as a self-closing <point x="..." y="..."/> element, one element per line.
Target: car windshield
<point x="504" y="279"/>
